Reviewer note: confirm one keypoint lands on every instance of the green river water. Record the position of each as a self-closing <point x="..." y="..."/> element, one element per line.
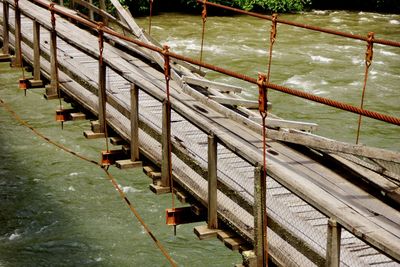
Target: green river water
<point x="56" y="210"/>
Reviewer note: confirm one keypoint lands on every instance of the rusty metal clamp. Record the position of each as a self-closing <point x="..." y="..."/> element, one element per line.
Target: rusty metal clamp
<point x="370" y="49"/>
<point x="53" y="16"/>
<point x="167" y="67"/>
<point x="262" y="94"/>
<point x="16" y="4"/>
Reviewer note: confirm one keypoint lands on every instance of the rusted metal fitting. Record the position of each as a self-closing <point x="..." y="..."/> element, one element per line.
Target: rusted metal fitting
<point x="181" y="215"/>
<point x="370" y="49"/>
<point x="23" y="84"/>
<point x="262" y="93"/>
<point x="167" y="67"/>
<point x="109" y="157"/>
<point x="53" y="16"/>
<point x="64" y="114"/>
<point x="16" y="4"/>
<point x="274" y="27"/>
<point x="204" y="12"/>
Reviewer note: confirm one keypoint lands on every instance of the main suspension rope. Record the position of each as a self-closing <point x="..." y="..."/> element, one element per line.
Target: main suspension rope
<point x="368" y="61"/>
<point x="108" y="174"/>
<point x="304" y="26"/>
<point x="204" y="20"/>
<point x="150" y="15"/>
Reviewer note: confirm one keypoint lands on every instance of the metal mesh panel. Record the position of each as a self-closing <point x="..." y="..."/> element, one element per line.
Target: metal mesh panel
<point x="358" y="253"/>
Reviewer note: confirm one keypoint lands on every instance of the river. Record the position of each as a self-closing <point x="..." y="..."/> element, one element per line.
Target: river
<point x="56" y="210"/>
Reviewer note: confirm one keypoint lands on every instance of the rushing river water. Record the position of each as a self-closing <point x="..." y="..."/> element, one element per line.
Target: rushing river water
<point x="322" y="64"/>
<point x="56" y="210"/>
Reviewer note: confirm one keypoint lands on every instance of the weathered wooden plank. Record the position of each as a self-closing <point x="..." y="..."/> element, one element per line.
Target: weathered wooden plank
<point x="235" y="101"/>
<point x="216" y="85"/>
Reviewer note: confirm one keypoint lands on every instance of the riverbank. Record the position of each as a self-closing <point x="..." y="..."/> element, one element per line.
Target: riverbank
<point x="141" y="7"/>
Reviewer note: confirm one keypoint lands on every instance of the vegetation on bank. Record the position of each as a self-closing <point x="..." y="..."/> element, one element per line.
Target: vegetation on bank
<point x="141" y="7"/>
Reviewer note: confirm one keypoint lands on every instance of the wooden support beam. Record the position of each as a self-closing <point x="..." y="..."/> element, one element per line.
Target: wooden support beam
<point x="117" y="141"/>
<point x="166" y="144"/>
<point x="18" y="50"/>
<point x="212" y="182"/>
<point x="204" y="232"/>
<point x="6" y="36"/>
<point x="91" y="14"/>
<point x="77" y="116"/>
<point x="260" y="224"/>
<point x="333" y="244"/>
<point x="215" y="85"/>
<point x="104" y="8"/>
<point x="53" y="90"/>
<point x="134" y="123"/>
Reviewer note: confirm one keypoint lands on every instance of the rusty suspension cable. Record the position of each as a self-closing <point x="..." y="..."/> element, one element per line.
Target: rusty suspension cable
<point x="263" y="109"/>
<point x="203" y="31"/>
<point x="304" y="26"/>
<point x="368" y="61"/>
<point x="109" y="176"/>
<point x="283" y="89"/>
<point x="167" y="75"/>
<point x="151" y="14"/>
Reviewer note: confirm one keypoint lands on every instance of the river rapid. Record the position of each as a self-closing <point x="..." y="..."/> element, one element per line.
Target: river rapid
<point x="56" y="210"/>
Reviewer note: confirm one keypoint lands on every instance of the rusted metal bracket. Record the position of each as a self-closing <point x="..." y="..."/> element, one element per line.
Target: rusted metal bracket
<point x="182" y="215"/>
<point x="109" y="157"/>
<point x="64" y="114"/>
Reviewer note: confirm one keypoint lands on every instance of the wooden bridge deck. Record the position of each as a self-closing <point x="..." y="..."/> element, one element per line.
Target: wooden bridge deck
<point x="302" y="194"/>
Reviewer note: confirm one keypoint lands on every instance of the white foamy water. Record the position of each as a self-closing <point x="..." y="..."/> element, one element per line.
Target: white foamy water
<point x="394" y="22"/>
<point x="321" y="59"/>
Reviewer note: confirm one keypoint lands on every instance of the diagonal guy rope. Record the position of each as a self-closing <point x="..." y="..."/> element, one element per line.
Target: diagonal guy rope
<point x="109" y="176"/>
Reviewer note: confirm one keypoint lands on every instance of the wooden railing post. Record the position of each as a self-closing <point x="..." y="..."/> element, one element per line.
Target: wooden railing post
<point x="333" y="243"/>
<point x="18" y="52"/>
<point x="91" y="14"/>
<point x="6" y="38"/>
<point x="166" y="148"/>
<point x="259" y="213"/>
<point x="102" y="96"/>
<point x="212" y="182"/>
<point x="104" y="8"/>
<point x="134" y="123"/>
<point x="36" y="50"/>
<point x="52" y="90"/>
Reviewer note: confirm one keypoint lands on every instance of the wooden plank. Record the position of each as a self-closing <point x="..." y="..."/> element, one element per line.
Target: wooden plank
<point x="235" y="101"/>
<point x="206" y="83"/>
<point x="280" y="123"/>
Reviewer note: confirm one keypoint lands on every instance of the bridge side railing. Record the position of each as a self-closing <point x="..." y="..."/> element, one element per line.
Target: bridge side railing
<point x="215" y="135"/>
